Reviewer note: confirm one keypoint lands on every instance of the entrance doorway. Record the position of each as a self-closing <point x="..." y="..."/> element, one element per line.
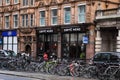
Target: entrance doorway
<point x="28" y="49"/>
<point x="109" y="39"/>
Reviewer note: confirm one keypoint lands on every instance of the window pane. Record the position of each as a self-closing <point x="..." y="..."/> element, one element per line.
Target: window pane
<point x="67" y="15"/>
<point x="42" y="17"/>
<point x="15" y="20"/>
<point x="54" y="16"/>
<point x="6" y="21"/>
<point x="15" y="1"/>
<point x="81" y="13"/>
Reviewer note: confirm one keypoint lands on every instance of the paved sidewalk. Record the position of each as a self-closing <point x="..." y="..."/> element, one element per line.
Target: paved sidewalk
<point x="41" y="76"/>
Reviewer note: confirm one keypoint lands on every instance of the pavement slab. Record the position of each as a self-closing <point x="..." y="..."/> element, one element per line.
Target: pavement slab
<point x="40" y="76"/>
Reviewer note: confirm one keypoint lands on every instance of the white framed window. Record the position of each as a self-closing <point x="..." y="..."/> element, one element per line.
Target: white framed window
<point x="1" y="2"/>
<point x="81" y="13"/>
<point x="15" y="20"/>
<point x="67" y="15"/>
<point x="31" y="2"/>
<point x="25" y="20"/>
<point x="42" y="18"/>
<point x="54" y="16"/>
<point x="31" y="20"/>
<point x="7" y="22"/>
<point x="7" y="2"/>
<point x="15" y="1"/>
<point x="25" y="2"/>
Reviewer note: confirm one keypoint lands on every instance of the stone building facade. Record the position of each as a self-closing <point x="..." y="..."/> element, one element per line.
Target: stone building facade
<point x="107" y="27"/>
<point x="65" y="28"/>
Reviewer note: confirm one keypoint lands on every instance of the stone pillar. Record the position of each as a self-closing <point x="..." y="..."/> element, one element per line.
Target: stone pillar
<point x="59" y="46"/>
<point x="98" y="42"/>
<point x="118" y="42"/>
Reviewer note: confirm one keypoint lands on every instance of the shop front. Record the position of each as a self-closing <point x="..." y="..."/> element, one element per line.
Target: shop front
<point x="47" y="41"/>
<point x="74" y="41"/>
<point x="10" y="41"/>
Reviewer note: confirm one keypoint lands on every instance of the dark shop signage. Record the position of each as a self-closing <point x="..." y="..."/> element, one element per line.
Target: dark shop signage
<point x="46" y="31"/>
<point x="71" y="29"/>
<point x="9" y="33"/>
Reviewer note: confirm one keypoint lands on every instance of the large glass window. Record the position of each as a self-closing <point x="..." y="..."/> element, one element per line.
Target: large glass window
<point x="81" y="13"/>
<point x="47" y="43"/>
<point x="15" y="20"/>
<point x="7" y="22"/>
<point x="25" y="20"/>
<point x="72" y="45"/>
<point x="42" y="18"/>
<point x="54" y="16"/>
<point x="67" y="15"/>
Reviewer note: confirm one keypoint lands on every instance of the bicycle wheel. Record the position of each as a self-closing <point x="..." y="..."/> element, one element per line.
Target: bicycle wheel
<point x="90" y="72"/>
<point x="62" y="70"/>
<point x="75" y="71"/>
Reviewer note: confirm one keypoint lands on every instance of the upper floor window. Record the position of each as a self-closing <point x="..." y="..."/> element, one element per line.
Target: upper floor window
<point x="15" y="1"/>
<point x="7" y="1"/>
<point x="25" y="2"/>
<point x="54" y="16"/>
<point x="25" y="20"/>
<point x="42" y="18"/>
<point x="15" y="20"/>
<point x="0" y="2"/>
<point x="81" y="13"/>
<point x="7" y="22"/>
<point x="67" y="15"/>
<point x="31" y="2"/>
<point x="31" y="20"/>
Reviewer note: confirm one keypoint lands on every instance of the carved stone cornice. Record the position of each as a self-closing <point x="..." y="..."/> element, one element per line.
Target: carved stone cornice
<point x="26" y="30"/>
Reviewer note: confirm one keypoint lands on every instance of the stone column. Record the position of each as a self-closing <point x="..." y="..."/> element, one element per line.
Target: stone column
<point x="118" y="42"/>
<point x="98" y="42"/>
<point x="59" y="46"/>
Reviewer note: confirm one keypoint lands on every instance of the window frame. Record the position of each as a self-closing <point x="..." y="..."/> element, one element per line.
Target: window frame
<point x="7" y="2"/>
<point x="52" y="23"/>
<point x="1" y="2"/>
<point x="79" y="14"/>
<point x="24" y="20"/>
<point x="41" y="18"/>
<point x="67" y="13"/>
<point x="25" y="2"/>
<point x="14" y="21"/>
<point x="31" y="20"/>
<point x="16" y="1"/>
<point x="31" y="3"/>
<point x="7" y="22"/>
